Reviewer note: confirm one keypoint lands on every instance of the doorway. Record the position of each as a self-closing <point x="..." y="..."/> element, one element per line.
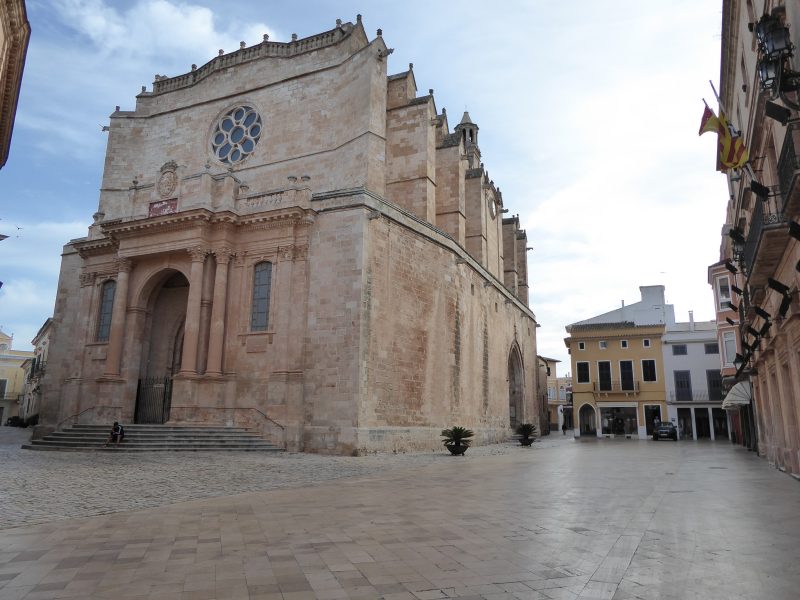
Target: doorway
<point x="652" y="415"/>
<point x="685" y="428"/>
<point x="515" y="390"/>
<point x="702" y="423"/>
<point x="162" y="348"/>
<point x="587" y="420"/>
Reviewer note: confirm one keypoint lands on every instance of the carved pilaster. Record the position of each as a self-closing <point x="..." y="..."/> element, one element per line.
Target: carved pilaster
<point x="301" y="252"/>
<point x="286" y="252"/>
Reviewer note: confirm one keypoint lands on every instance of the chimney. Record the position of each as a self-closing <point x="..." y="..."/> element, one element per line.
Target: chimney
<point x="691" y="320"/>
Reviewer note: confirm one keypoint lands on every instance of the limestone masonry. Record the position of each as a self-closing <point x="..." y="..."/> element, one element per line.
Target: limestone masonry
<point x="290" y="239"/>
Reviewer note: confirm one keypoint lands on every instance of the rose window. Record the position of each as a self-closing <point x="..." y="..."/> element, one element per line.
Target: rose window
<point x="236" y="135"/>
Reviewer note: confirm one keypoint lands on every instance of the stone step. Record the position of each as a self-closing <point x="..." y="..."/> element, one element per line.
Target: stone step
<point x="156" y="438"/>
<point x="147" y="436"/>
<point x="165" y="444"/>
<point x="124" y="448"/>
<point x="146" y="428"/>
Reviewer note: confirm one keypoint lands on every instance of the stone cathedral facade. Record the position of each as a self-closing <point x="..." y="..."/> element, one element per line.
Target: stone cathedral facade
<point x="290" y="239"/>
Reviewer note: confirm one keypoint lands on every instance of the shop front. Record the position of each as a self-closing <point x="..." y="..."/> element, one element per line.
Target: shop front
<point x="619" y="420"/>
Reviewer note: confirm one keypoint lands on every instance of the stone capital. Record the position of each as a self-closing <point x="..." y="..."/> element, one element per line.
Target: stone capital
<point x="197" y="253"/>
<point x="124" y="265"/>
<point x="223" y="254"/>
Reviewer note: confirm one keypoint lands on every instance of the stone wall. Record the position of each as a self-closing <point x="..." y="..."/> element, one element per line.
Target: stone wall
<point x="437" y="334"/>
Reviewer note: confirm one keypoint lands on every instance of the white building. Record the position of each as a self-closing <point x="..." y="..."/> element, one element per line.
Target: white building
<point x="693" y="379"/>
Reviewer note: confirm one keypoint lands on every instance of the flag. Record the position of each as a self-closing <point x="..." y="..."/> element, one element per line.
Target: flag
<point x="709" y="122"/>
<point x="732" y="153"/>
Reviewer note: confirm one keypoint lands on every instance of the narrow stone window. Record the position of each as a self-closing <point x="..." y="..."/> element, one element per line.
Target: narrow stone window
<point x="106" y="308"/>
<point x="262" y="283"/>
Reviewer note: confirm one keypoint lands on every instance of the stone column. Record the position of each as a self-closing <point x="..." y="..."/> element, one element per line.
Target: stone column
<point x="118" y="312"/>
<point x="192" y="326"/>
<point x="217" y="336"/>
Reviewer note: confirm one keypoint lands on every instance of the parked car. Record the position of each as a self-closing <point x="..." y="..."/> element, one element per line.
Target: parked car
<point x="666" y="430"/>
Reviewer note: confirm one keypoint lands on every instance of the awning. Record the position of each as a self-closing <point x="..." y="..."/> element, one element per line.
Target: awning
<point x="739" y="395"/>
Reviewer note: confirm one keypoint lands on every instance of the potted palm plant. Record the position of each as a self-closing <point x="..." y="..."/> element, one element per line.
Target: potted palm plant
<point x="457" y="439"/>
<point x="527" y="433"/>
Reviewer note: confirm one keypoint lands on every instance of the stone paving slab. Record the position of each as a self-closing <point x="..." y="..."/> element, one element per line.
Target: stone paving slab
<point x="598" y="520"/>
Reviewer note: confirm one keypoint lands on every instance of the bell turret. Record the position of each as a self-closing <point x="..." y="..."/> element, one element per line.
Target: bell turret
<point x="468" y="130"/>
<point x="469" y="137"/>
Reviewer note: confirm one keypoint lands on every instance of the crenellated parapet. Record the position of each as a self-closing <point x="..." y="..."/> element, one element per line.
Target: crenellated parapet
<point x="265" y="49"/>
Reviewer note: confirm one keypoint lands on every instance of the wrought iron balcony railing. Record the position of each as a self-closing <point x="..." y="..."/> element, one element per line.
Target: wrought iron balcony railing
<point x="789" y="172"/>
<point x="626" y="386"/>
<point x="766" y="241"/>
<point x="694" y="396"/>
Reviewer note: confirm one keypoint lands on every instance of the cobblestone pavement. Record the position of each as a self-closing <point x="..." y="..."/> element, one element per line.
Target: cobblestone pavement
<point x="37" y="486"/>
<point x="563" y="520"/>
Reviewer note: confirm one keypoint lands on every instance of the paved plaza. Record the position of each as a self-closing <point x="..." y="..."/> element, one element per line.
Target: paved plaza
<point x="561" y="520"/>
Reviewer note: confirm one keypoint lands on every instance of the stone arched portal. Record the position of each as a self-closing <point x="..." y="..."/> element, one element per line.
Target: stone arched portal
<point x="162" y="346"/>
<point x="515" y="388"/>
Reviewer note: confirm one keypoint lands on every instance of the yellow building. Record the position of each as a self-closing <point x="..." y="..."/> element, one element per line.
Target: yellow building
<point x="12" y="377"/>
<point x="618" y="384"/>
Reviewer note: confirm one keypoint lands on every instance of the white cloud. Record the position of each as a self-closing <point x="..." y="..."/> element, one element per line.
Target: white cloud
<point x="157" y="28"/>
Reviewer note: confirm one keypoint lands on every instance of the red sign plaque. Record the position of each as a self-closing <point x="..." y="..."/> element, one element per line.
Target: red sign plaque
<point x="163" y="207"/>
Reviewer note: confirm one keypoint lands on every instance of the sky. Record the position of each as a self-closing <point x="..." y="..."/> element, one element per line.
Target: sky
<point x="588" y="114"/>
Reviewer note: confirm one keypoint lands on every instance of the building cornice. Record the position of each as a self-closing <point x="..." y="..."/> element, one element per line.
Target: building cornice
<point x="16" y="33"/>
<point x="730" y="40"/>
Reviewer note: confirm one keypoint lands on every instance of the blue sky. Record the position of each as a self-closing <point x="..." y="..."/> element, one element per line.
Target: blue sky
<point x="588" y="114"/>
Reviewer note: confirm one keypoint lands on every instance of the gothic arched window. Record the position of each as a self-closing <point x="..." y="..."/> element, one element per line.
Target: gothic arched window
<point x="262" y="283"/>
<point x="106" y="307"/>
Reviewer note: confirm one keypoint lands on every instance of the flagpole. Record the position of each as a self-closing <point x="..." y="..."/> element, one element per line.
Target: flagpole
<point x="716" y="95"/>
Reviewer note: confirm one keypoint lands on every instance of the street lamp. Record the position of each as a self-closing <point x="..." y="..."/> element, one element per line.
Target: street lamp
<point x="775" y="48"/>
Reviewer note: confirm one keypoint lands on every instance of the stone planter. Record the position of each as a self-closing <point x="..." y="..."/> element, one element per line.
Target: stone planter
<point x="457" y="449"/>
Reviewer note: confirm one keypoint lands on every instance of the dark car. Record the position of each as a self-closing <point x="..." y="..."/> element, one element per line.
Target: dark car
<point x="666" y="430"/>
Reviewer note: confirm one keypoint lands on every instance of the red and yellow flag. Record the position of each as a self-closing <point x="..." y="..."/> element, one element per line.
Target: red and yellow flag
<point x="732" y="153"/>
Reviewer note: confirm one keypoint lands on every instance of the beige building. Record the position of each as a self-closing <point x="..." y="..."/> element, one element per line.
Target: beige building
<point x="12" y="377"/>
<point x="290" y="238"/>
<point x="35" y="368"/>
<point x="559" y="402"/>
<point x="726" y="282"/>
<point x="759" y="85"/>
<point x="15" y="31"/>
<point x="618" y="386"/>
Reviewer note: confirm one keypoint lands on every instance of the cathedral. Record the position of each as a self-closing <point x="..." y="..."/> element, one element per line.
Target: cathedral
<point x="290" y="239"/>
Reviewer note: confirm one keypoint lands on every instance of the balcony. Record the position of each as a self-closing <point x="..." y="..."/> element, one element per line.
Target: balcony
<point x="692" y="396"/>
<point x="616" y="387"/>
<point x="766" y="243"/>
<point x="789" y="172"/>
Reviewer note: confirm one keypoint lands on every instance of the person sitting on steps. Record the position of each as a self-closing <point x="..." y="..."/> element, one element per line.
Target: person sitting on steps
<point x="116" y="435"/>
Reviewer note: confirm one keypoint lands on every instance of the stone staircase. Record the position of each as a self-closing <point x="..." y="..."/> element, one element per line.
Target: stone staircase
<point x="154" y="438"/>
